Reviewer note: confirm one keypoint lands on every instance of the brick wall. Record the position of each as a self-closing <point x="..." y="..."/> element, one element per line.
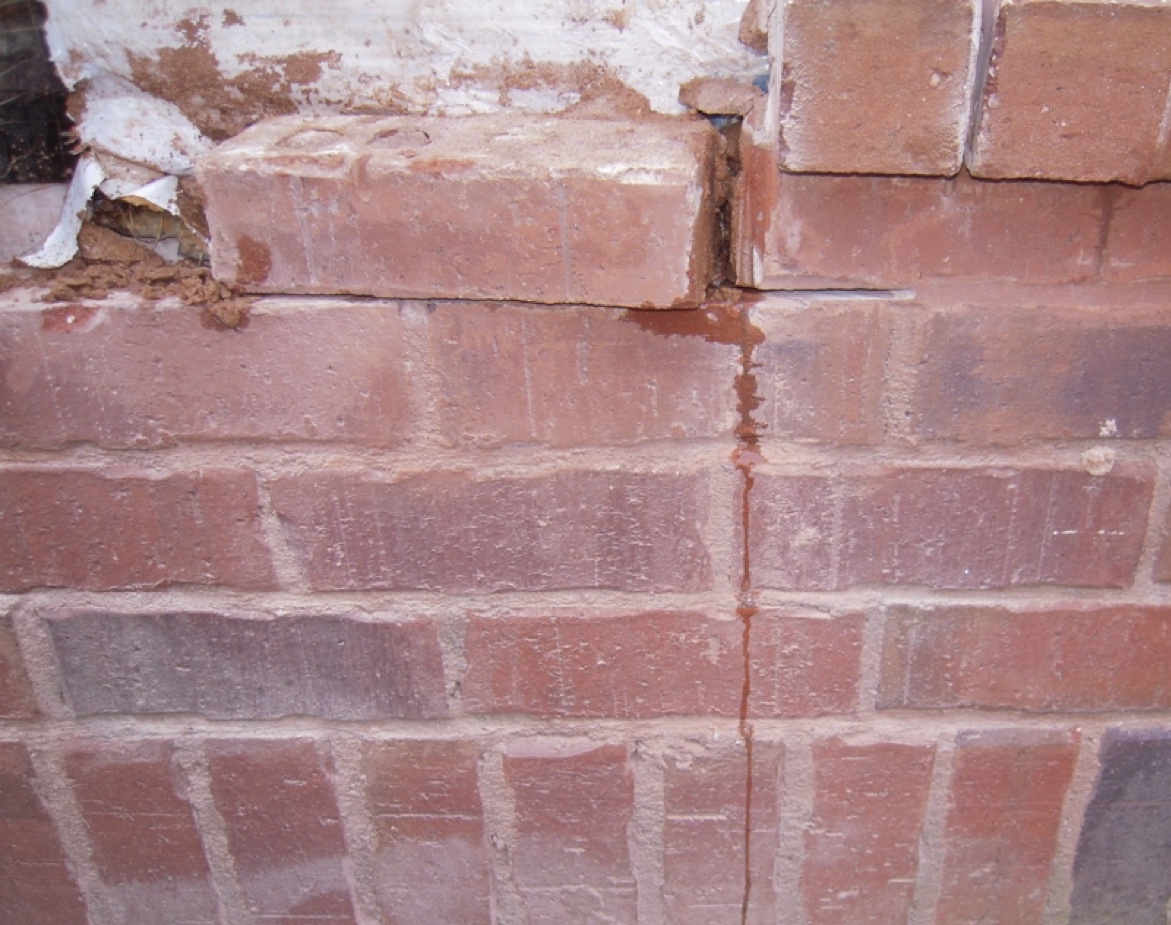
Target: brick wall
<point x="453" y="611"/>
<point x="840" y="597"/>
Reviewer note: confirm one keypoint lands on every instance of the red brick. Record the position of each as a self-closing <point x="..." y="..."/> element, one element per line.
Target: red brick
<point x="17" y="700"/>
<point x="278" y="805"/>
<point x="145" y="376"/>
<point x="431" y="860"/>
<point x="103" y="531"/>
<point x="1138" y="241"/>
<point x="703" y="836"/>
<point x="145" y="844"/>
<point x="565" y="377"/>
<point x="660" y="664"/>
<point x="795" y="231"/>
<point x="1076" y="91"/>
<point x="804" y="666"/>
<point x="573" y="814"/>
<point x="875" y="86"/>
<point x="249" y="667"/>
<point x="34" y="881"/>
<point x="819" y="372"/>
<point x="983" y="380"/>
<point x="444" y="531"/>
<point x="626" y="667"/>
<point x="1007" y="795"/>
<point x="530" y="208"/>
<point x="861" y="847"/>
<point x="949" y="528"/>
<point x="1085" y="660"/>
<point x="1163" y="562"/>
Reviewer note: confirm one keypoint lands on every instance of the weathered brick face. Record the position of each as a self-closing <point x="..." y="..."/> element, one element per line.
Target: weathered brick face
<point x="836" y="596"/>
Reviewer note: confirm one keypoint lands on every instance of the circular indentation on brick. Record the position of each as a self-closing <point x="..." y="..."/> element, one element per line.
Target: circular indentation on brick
<point x="312" y="139"/>
<point x="399" y="138"/>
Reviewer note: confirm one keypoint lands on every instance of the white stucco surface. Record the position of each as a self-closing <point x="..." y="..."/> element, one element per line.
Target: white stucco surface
<point x="433" y="56"/>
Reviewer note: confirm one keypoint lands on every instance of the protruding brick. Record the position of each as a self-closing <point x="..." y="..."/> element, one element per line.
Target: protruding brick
<point x="237" y="667"/>
<point x="17" y="700"/>
<point x="431" y="863"/>
<point x="444" y="531"/>
<point x="145" y="844"/>
<point x="875" y="87"/>
<point x="566" y="377"/>
<point x="795" y="231"/>
<point x="283" y="828"/>
<point x="661" y="664"/>
<point x="1076" y="91"/>
<point x="819" y="372"/>
<point x="861" y="847"/>
<point x="1123" y="855"/>
<point x="103" y="531"/>
<point x="35" y="884"/>
<point x="531" y="208"/>
<point x="982" y="378"/>
<point x="703" y="836"/>
<point x="145" y="376"/>
<point x="573" y="814"/>
<point x="1007" y="794"/>
<point x="1086" y="660"/>
<point x="949" y="528"/>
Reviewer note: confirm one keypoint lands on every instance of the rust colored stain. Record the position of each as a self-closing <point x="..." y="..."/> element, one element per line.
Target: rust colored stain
<point x="600" y="91"/>
<point x="255" y="261"/>
<point x="190" y="76"/>
<point x="67" y="318"/>
<point x="725" y="320"/>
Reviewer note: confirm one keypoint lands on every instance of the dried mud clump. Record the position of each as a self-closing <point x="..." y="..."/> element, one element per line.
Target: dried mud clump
<point x="190" y="77"/>
<point x="108" y="262"/>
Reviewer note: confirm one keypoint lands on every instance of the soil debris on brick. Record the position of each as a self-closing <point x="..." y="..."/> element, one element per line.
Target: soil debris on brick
<point x="110" y="262"/>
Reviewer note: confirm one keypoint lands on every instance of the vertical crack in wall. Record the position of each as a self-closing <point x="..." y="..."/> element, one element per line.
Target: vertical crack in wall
<point x="725" y="320"/>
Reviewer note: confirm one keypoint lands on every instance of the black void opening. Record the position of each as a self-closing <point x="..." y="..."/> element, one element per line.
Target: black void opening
<point x="33" y="123"/>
